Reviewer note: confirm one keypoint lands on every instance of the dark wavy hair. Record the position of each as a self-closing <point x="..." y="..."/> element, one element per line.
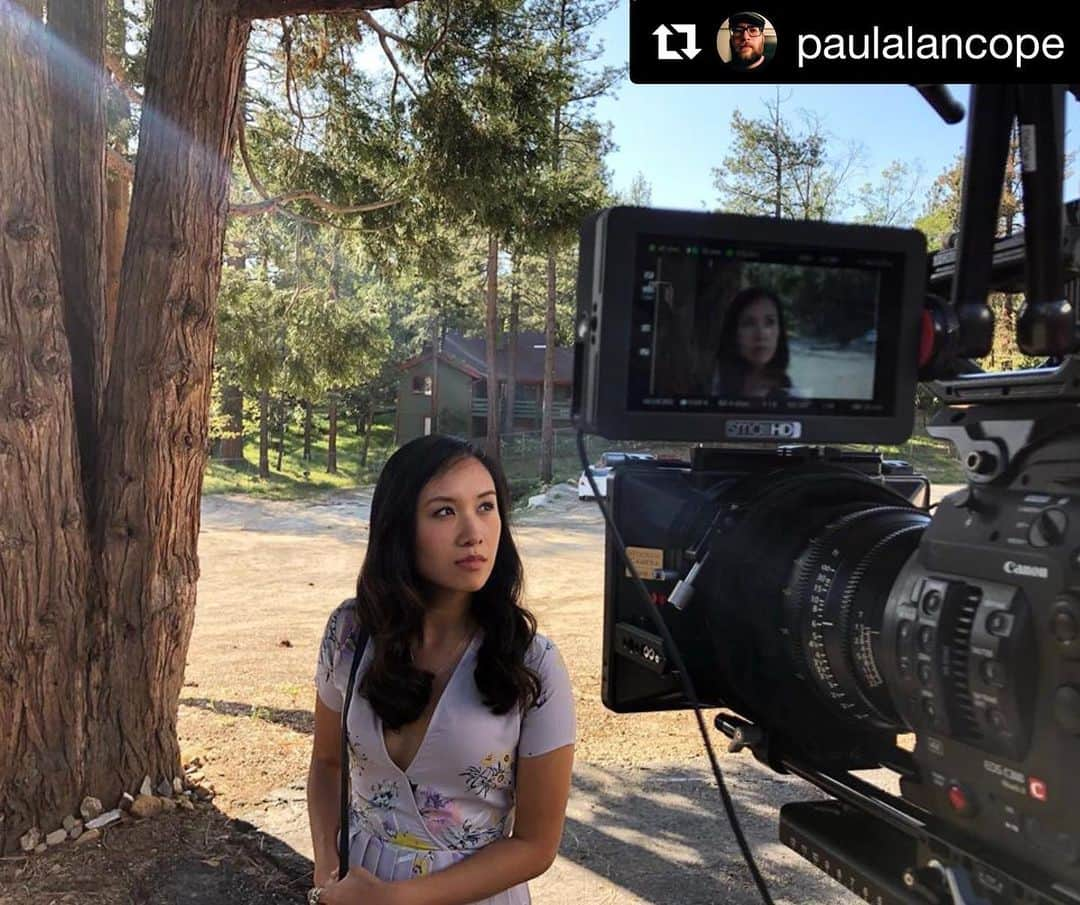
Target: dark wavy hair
<point x="390" y="598"/>
<point x="730" y="364"/>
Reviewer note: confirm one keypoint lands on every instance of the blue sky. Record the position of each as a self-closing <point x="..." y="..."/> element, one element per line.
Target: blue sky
<point x="675" y="134"/>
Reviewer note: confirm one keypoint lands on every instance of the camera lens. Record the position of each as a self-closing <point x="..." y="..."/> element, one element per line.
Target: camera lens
<point x="836" y="606"/>
<point x="811" y="567"/>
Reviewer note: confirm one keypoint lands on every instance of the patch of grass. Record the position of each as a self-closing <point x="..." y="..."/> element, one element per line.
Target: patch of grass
<point x="931" y="457"/>
<point x="298" y="478"/>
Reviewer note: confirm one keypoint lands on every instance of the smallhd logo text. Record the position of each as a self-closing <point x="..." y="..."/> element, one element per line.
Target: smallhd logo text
<point x="694" y="43"/>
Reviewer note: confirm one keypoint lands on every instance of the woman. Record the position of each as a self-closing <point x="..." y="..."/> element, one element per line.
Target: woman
<point x="462" y="724"/>
<point x="752" y="357"/>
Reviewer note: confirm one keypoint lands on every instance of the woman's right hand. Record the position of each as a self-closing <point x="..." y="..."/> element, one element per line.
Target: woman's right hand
<point x="325" y="871"/>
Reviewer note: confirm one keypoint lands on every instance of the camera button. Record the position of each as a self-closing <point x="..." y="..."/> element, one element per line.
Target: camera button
<point x="926" y="639"/>
<point x="999" y="623"/>
<point x="1049" y="528"/>
<point x="931" y="602"/>
<point x="961" y="801"/>
<point x="903" y="631"/>
<point x="993" y="673"/>
<point x="1065" y="620"/>
<point x="925" y="673"/>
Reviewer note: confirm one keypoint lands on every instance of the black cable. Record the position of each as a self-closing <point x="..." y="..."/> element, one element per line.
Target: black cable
<point x="684" y="677"/>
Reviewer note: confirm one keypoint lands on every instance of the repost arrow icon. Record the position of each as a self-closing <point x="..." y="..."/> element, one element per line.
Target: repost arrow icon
<point x="692" y="50"/>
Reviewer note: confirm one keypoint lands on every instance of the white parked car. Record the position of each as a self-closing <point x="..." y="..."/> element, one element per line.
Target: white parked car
<point x="600" y="475"/>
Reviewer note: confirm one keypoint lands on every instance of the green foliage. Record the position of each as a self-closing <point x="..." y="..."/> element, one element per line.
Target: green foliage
<point x="776" y="169"/>
<point x="298" y="478"/>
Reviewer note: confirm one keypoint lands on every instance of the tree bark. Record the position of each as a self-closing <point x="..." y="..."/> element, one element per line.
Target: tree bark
<point x="331" y="440"/>
<point x="547" y="424"/>
<point x="492" y="326"/>
<point x="264" y="433"/>
<point x="307" y="431"/>
<point x="154" y="424"/>
<point x="44" y="555"/>
<point x="77" y="93"/>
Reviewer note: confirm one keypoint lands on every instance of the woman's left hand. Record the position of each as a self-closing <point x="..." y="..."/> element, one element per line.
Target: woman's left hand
<point x="360" y="887"/>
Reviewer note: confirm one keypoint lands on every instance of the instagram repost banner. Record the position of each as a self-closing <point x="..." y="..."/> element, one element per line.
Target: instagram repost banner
<point x="694" y="42"/>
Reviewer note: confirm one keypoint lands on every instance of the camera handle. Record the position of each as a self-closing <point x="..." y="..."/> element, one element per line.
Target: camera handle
<point x="1048" y="322"/>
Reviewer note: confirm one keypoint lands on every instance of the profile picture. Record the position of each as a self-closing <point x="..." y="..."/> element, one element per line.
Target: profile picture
<point x="746" y="41"/>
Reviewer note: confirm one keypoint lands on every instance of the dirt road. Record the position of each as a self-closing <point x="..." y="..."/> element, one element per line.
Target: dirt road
<point x="645" y="823"/>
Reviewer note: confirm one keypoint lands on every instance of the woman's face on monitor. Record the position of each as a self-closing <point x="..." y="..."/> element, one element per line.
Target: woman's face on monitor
<point x="758" y="332"/>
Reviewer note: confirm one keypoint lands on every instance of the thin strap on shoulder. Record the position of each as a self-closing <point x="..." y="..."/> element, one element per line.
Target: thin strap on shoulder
<point x="360" y="639"/>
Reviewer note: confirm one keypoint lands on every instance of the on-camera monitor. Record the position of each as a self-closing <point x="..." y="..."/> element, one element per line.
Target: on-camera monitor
<point x="704" y="327"/>
<point x="744" y="327"/>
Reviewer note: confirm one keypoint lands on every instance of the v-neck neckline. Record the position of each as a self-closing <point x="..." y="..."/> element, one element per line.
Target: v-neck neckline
<point x="434" y="714"/>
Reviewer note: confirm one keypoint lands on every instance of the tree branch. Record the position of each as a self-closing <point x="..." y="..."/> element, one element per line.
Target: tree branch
<point x="275" y="9"/>
<point x="116" y="70"/>
<point x="274" y="204"/>
<point x="270" y="204"/>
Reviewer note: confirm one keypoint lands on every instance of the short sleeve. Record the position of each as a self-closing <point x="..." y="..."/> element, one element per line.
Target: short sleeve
<point x="335" y="656"/>
<point x="551" y="722"/>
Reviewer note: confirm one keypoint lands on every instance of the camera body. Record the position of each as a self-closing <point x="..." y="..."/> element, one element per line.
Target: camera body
<point x="811" y="591"/>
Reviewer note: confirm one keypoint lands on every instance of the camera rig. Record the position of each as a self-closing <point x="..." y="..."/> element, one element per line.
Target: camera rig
<point x="864" y="616"/>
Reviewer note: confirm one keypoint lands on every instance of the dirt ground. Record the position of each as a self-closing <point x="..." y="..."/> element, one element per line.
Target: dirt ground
<point x="644" y="824"/>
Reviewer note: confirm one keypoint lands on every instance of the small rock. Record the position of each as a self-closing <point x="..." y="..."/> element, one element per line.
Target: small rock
<point x="177" y="785"/>
<point x="284" y="642"/>
<point x="147" y="787"/>
<point x="203" y="794"/>
<point x="146" y="806"/>
<point x="40" y="849"/>
<point x="164" y="789"/>
<point x="104" y="819"/>
<point x="69" y="822"/>
<point x="76" y="831"/>
<point x="89" y="836"/>
<point x="30" y="840"/>
<point x="56" y="837"/>
<point x="195" y="776"/>
<point x="125" y="802"/>
<point x="185" y="804"/>
<point x="167" y="804"/>
<point x="90" y="808"/>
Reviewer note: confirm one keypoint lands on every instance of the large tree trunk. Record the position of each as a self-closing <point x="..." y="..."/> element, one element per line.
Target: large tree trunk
<point x="77" y="89"/>
<point x="331" y="440"/>
<point x="154" y="424"/>
<point x="491" y="321"/>
<point x="547" y="426"/>
<point x="44" y="556"/>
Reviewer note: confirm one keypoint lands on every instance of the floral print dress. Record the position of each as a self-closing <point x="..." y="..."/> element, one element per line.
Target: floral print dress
<point x="457" y="795"/>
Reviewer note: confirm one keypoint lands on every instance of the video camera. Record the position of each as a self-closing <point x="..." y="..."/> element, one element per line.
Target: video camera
<point x="808" y="589"/>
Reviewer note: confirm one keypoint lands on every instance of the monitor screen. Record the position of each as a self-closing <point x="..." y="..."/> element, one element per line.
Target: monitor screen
<point x="738" y="327"/>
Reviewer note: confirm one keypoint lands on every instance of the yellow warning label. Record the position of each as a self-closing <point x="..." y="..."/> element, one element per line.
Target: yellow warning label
<point x="647" y="560"/>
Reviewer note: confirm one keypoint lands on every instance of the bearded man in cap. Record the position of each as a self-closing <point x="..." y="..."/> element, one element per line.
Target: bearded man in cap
<point x="747" y="40"/>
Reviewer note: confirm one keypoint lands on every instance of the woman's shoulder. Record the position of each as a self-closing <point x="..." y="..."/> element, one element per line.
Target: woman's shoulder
<point x="541" y="650"/>
<point x="340" y="628"/>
